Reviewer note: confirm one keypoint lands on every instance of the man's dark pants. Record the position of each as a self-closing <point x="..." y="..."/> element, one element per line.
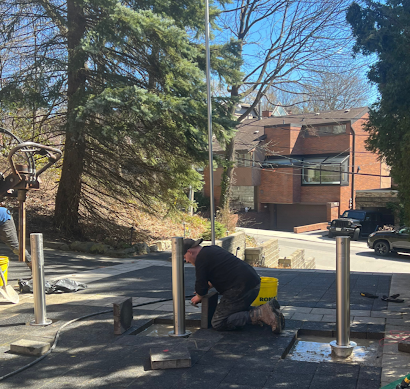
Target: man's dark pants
<point x="233" y="309"/>
<point x="8" y="236"/>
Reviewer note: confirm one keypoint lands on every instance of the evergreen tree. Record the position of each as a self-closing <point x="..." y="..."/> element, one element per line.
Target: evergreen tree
<point x="382" y="30"/>
<point x="125" y="81"/>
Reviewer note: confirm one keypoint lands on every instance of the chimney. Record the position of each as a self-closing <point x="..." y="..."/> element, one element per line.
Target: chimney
<point x="267" y="114"/>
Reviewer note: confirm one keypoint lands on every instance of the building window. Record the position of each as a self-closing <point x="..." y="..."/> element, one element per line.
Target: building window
<point x="325" y="171"/>
<point x="325" y="130"/>
<point x="243" y="159"/>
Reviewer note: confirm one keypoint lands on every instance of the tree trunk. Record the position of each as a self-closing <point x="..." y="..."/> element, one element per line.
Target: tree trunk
<point x="69" y="189"/>
<point x="227" y="175"/>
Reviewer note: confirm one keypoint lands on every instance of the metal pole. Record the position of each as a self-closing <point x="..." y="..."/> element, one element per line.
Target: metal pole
<point x="342" y="347"/>
<point x="21" y="196"/>
<point x="36" y="242"/>
<point x="191" y="199"/>
<point x="178" y="288"/>
<point x="208" y="90"/>
<point x="343" y="290"/>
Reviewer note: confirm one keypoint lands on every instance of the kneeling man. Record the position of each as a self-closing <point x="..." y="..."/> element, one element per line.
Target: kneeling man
<point x="236" y="281"/>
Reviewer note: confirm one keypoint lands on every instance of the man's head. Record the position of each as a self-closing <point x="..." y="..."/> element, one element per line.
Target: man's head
<point x="191" y="249"/>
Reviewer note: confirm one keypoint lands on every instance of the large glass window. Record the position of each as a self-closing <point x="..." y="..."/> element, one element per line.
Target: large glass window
<point x="325" y="171"/>
<point x="315" y="170"/>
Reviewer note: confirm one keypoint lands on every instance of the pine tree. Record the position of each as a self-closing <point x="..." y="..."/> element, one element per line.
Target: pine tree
<point x="125" y="80"/>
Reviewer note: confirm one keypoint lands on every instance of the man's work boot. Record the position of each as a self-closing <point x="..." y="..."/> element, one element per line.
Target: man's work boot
<point x="276" y="309"/>
<point x="267" y="314"/>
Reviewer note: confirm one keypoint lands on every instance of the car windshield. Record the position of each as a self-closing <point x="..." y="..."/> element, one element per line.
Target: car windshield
<point x="354" y="214"/>
<point x="404" y="230"/>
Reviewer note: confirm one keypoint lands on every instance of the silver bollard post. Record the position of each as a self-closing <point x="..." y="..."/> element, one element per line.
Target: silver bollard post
<point x="37" y="257"/>
<point x="342" y="346"/>
<point x="178" y="288"/>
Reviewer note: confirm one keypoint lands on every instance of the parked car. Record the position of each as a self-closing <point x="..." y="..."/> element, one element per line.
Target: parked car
<point x="355" y="223"/>
<point x="385" y="241"/>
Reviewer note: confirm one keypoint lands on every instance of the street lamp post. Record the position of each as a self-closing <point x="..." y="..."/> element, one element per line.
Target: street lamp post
<point x="208" y="90"/>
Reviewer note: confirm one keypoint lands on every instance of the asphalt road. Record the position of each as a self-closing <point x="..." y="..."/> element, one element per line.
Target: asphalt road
<point x="323" y="249"/>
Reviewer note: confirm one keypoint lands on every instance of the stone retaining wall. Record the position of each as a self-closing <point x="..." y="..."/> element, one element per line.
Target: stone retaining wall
<point x="235" y="243"/>
<point x="266" y="255"/>
<point x="297" y="261"/>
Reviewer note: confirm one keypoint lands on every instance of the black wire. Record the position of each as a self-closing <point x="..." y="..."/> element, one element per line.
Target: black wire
<point x="67" y="324"/>
<point x="277" y="166"/>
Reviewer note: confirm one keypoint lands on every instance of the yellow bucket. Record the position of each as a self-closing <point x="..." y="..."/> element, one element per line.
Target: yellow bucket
<point x="4" y="264"/>
<point x="268" y="290"/>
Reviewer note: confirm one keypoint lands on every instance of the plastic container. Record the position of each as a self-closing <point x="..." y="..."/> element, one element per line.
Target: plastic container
<point x="4" y="264"/>
<point x="268" y="291"/>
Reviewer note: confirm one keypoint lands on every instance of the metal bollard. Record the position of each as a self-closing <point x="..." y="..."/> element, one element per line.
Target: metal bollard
<point x="37" y="257"/>
<point x="342" y="346"/>
<point x="178" y="288"/>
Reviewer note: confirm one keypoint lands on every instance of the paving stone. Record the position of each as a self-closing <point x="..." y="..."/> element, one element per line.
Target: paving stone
<point x="29" y="347"/>
<point x="293" y="324"/>
<point x="117" y="379"/>
<point x="369" y="320"/>
<point x="370" y="373"/>
<point x="329" y="318"/>
<point x="375" y="331"/>
<point x="323" y="311"/>
<point x="288" y="366"/>
<point x="219" y="359"/>
<point x="354" y="312"/>
<point x="395" y="366"/>
<point x="397" y="321"/>
<point x="338" y="370"/>
<point x="288" y="315"/>
<point x="258" y="362"/>
<point x="332" y="382"/>
<point x="358" y="330"/>
<point x="368" y="384"/>
<point x="328" y="305"/>
<point x="170" y="358"/>
<point x="318" y="329"/>
<point x="236" y="386"/>
<point x="246" y="377"/>
<point x="198" y="374"/>
<point x="296" y="309"/>
<point x="278" y="380"/>
<point x="307" y="317"/>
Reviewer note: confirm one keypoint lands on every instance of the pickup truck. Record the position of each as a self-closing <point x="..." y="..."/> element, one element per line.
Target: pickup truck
<point x="355" y="223"/>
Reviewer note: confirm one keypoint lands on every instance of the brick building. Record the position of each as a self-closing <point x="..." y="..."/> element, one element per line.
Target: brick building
<point x="301" y="169"/>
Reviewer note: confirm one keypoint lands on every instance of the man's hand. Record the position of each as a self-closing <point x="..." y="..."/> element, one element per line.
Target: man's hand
<point x="196" y="299"/>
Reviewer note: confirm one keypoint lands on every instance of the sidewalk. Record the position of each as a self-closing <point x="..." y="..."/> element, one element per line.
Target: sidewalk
<point x="88" y="354"/>
<point x="311" y="236"/>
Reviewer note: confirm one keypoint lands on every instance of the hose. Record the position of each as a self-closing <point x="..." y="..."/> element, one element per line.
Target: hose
<point x="71" y="322"/>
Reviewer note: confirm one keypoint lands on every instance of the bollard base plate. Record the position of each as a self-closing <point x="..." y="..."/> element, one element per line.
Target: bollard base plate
<point x="184" y="335"/>
<point x="342" y="351"/>
<point x="46" y="322"/>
